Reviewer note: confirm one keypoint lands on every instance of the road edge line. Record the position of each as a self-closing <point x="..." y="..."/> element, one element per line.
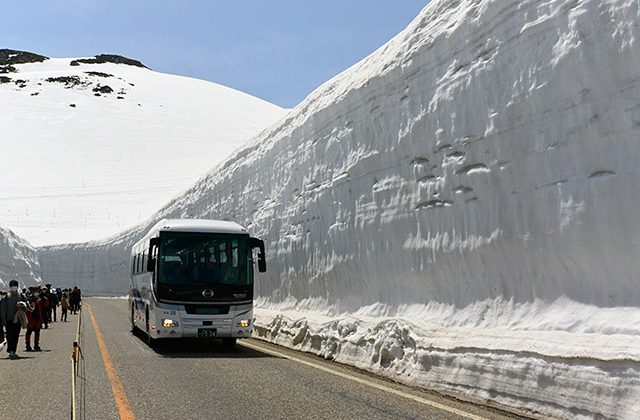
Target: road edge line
<point x="365" y="382"/>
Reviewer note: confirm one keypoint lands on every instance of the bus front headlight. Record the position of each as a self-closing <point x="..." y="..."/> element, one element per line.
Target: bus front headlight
<point x="169" y="323"/>
<point x="244" y="323"/>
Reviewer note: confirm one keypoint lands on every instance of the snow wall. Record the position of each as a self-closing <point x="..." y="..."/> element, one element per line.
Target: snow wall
<point x="18" y="260"/>
<point x="459" y="210"/>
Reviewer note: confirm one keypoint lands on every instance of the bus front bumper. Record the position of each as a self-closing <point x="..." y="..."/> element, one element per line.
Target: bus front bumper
<point x="194" y="326"/>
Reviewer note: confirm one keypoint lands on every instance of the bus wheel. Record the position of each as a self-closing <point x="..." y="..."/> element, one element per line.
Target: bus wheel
<point x="133" y="320"/>
<point x="229" y="342"/>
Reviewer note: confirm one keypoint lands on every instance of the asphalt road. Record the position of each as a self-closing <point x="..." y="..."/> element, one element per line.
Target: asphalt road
<point x="199" y="380"/>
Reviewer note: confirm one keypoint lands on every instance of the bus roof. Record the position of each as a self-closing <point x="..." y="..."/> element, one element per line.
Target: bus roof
<point x="198" y="225"/>
<point x="193" y="225"/>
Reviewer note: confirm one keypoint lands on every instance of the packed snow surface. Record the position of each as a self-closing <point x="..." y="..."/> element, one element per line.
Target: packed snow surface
<point x="459" y="210"/>
<point x="18" y="260"/>
<point x="91" y="149"/>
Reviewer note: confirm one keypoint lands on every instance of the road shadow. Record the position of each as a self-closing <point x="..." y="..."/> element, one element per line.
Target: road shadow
<point x="194" y="348"/>
<point x="14" y="360"/>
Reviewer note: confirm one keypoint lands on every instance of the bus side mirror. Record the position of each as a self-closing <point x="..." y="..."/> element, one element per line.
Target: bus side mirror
<point x="154" y="243"/>
<point x="262" y="262"/>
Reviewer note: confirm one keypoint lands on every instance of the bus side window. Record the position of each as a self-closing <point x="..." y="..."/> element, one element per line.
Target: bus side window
<point x="234" y="253"/>
<point x="144" y="260"/>
<point x="223" y="253"/>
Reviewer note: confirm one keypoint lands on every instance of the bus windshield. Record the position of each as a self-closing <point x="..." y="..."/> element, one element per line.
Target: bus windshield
<point x="208" y="259"/>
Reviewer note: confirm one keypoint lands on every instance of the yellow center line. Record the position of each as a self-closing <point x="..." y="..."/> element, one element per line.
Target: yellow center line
<point x="119" y="394"/>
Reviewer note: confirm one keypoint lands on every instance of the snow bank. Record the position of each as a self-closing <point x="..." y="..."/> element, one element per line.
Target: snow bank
<point x="549" y="373"/>
<point x="18" y="260"/>
<point x="458" y="210"/>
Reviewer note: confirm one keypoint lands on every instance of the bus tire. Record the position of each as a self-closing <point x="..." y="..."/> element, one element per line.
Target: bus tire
<point x="229" y="342"/>
<point x="133" y="320"/>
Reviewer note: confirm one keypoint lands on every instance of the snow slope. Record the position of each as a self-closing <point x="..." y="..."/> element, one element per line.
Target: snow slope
<point x="92" y="149"/>
<point x="458" y="210"/>
<point x="18" y="260"/>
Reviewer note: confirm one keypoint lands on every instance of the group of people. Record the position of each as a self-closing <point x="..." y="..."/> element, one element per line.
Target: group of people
<point x="33" y="309"/>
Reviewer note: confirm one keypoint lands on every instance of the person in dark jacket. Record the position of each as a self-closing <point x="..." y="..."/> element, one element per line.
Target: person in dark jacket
<point x="8" y="307"/>
<point x="59" y="294"/>
<point x="38" y="303"/>
<point x="74" y="300"/>
<point x="53" y="305"/>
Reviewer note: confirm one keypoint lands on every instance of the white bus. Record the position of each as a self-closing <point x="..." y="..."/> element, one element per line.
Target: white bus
<point x="194" y="278"/>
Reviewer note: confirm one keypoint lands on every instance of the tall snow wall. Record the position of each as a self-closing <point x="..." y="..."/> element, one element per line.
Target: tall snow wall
<point x="476" y="177"/>
<point x="18" y="260"/>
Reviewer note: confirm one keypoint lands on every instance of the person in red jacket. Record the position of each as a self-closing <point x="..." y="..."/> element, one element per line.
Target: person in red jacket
<point x="38" y="304"/>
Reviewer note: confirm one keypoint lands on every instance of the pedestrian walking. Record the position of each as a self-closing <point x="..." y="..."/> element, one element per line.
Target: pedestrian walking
<point x="74" y="300"/>
<point x="53" y="305"/>
<point x="46" y="315"/>
<point x="38" y="305"/>
<point x="64" y="306"/>
<point x="8" y="308"/>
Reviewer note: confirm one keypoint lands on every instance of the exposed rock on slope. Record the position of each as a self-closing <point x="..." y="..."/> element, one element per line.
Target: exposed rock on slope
<point x="8" y="57"/>
<point x="108" y="58"/>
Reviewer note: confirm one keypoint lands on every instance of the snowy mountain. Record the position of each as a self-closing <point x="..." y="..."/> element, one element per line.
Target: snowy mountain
<point x="458" y="210"/>
<point x="91" y="146"/>
<point x="18" y="260"/>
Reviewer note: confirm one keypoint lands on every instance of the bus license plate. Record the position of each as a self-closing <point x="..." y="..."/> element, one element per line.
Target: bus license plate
<point x="206" y="332"/>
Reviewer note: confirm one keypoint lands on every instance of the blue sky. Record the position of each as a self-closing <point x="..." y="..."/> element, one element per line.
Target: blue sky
<point x="278" y="50"/>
